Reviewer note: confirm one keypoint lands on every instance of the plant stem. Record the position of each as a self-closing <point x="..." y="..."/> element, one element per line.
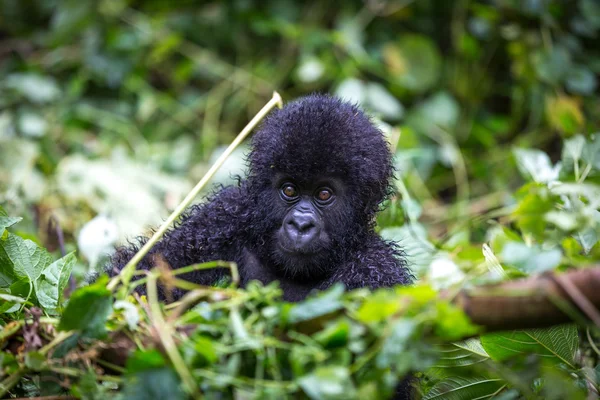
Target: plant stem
<point x="165" y="334"/>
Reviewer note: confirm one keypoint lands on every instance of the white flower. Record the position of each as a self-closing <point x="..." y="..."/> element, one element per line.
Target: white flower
<point x="444" y="273"/>
<point x="97" y="238"/>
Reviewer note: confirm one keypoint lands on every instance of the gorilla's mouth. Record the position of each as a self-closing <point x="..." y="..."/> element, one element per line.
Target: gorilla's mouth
<point x="301" y="246"/>
<point x="297" y="250"/>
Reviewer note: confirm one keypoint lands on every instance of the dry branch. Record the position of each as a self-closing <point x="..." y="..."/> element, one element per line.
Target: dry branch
<point x="541" y="301"/>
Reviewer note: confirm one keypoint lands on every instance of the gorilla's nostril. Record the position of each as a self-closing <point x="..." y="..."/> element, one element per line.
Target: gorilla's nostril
<point x="302" y="223"/>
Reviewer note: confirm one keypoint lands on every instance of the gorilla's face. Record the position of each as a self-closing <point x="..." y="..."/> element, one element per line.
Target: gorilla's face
<point x="307" y="219"/>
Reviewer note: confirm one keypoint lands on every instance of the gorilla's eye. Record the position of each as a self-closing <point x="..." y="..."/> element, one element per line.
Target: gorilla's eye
<point x="324" y="195"/>
<point x="289" y="191"/>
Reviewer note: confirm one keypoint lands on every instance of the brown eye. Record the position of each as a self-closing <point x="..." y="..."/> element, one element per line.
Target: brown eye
<point x="289" y="191"/>
<point x="324" y="194"/>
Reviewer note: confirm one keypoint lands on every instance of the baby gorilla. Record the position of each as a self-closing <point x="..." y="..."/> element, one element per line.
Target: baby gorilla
<point x="319" y="171"/>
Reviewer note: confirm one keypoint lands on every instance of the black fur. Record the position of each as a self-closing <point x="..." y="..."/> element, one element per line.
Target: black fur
<point x="314" y="137"/>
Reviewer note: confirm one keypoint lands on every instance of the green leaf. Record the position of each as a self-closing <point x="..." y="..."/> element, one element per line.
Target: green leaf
<point x="328" y="383"/>
<point x="204" y="352"/>
<point x="6" y="221"/>
<point x="460" y="388"/>
<point x="581" y="80"/>
<point x="21" y="258"/>
<point x="530" y="259"/>
<point x="534" y="202"/>
<point x="143" y="360"/>
<point x="383" y="102"/>
<point x="88" y="309"/>
<point x="36" y="88"/>
<point x="379" y="306"/>
<point x="158" y="383"/>
<point x="32" y="124"/>
<point x="573" y="150"/>
<point x="10" y="303"/>
<point x="395" y="343"/>
<point x="35" y="361"/>
<point x="537" y="165"/>
<point x="591" y="152"/>
<point x="324" y="303"/>
<point x="451" y="323"/>
<point x="464" y="354"/>
<point x="565" y="114"/>
<point x="590" y="10"/>
<point x="552" y="65"/>
<point x="414" y="61"/>
<point x="334" y="335"/>
<point x="557" y="344"/>
<point x="51" y="283"/>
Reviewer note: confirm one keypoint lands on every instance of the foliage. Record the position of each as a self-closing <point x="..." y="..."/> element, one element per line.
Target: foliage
<point x="111" y="109"/>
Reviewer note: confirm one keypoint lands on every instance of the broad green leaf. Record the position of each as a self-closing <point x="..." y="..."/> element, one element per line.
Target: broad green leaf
<point x="534" y="202"/>
<point x="51" y="283"/>
<point x="324" y="303"/>
<point x="6" y="221"/>
<point x="451" y="322"/>
<point x="10" y="303"/>
<point x="19" y="258"/>
<point x="158" y="383"/>
<point x="530" y="259"/>
<point x="461" y="388"/>
<point x="463" y="354"/>
<point x="328" y="383"/>
<point x="590" y="191"/>
<point x="556" y="344"/>
<point x="587" y="239"/>
<point x="88" y="309"/>
<point x="7" y="271"/>
<point x="143" y="360"/>
<point x="379" y="306"/>
<point x="537" y="165"/>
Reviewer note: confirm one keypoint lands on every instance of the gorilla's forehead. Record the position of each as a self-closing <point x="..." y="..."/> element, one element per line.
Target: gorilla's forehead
<point x="321" y="136"/>
<point x="311" y="161"/>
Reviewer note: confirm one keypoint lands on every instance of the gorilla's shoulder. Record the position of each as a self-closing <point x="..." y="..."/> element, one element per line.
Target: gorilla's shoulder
<point x="375" y="263"/>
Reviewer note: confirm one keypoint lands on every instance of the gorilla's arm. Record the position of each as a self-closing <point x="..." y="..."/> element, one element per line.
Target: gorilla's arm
<point x="378" y="263"/>
<point x="206" y="232"/>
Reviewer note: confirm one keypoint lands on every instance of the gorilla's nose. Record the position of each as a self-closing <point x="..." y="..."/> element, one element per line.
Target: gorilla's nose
<point x="301" y="225"/>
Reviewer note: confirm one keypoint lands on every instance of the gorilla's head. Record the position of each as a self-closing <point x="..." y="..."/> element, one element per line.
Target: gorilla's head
<point x="319" y="171"/>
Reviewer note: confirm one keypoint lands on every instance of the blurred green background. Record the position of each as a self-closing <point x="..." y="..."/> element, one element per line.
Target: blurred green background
<point x="116" y="108"/>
